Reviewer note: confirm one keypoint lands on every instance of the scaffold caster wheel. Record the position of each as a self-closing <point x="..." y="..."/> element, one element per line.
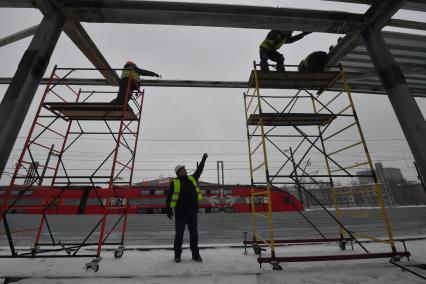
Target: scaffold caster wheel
<point x="276" y="266"/>
<point x="94" y="264"/>
<point x="118" y="253"/>
<point x="33" y="251"/>
<point x="396" y="258"/>
<point x="342" y="245"/>
<point x="256" y="250"/>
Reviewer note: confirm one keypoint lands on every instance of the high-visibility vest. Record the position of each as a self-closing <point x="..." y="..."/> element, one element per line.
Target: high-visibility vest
<point x="176" y="191"/>
<point x="269" y="43"/>
<point x="128" y="71"/>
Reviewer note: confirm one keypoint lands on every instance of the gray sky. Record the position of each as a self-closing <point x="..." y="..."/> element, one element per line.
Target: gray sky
<point x="180" y="124"/>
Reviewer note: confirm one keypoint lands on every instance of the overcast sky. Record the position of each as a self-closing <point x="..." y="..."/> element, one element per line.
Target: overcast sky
<point x="180" y="124"/>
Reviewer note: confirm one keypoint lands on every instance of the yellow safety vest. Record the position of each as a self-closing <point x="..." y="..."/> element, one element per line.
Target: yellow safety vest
<point x="130" y="72"/>
<point x="176" y="190"/>
<point x="269" y="43"/>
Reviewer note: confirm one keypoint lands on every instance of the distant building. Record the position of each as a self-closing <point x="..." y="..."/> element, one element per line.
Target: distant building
<point x="392" y="175"/>
<point x="357" y="196"/>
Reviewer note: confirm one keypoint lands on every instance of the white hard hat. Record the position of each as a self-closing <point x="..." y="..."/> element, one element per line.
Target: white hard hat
<point x="178" y="167"/>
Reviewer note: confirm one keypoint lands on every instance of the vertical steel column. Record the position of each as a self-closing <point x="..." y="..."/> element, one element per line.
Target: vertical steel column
<point x="406" y="109"/>
<point x="25" y="82"/>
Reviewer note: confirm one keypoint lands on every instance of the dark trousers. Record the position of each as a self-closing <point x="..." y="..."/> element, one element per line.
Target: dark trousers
<point x="180" y="223"/>
<point x="273" y="55"/>
<point x="121" y="95"/>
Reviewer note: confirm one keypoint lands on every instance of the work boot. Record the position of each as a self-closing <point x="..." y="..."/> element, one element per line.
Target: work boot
<point x="177" y="259"/>
<point x="280" y="68"/>
<point x="197" y="258"/>
<point x="264" y="67"/>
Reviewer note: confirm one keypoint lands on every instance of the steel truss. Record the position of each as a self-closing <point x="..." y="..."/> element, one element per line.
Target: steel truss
<point x="305" y="128"/>
<point x="68" y="117"/>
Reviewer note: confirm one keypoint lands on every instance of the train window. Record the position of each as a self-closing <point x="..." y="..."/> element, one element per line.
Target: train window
<point x="142" y="211"/>
<point x="157" y="210"/>
<point x="214" y="191"/>
<point x="71" y="202"/>
<point x="228" y="191"/>
<point x="229" y="210"/>
<point x="145" y="192"/>
<point x="288" y="200"/>
<point x="215" y="210"/>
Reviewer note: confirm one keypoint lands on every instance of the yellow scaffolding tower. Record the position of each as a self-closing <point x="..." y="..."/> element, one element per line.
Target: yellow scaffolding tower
<point x="301" y="127"/>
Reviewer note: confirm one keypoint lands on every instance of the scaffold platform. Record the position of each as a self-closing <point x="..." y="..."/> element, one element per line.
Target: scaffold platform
<point x="289" y="119"/>
<point x="291" y="80"/>
<point x="91" y="111"/>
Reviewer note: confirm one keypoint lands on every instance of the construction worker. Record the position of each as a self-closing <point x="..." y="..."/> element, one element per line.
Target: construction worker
<point x="130" y="70"/>
<point x="183" y="196"/>
<point x="273" y="41"/>
<point x="314" y="62"/>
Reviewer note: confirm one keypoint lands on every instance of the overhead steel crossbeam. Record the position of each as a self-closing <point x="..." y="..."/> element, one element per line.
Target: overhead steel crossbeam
<point x="196" y="14"/>
<point x="18" y="36"/>
<point x="213" y="15"/>
<point x="414" y="5"/>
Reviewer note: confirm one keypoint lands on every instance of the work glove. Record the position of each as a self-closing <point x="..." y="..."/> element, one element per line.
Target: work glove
<point x="170" y="213"/>
<point x="205" y="156"/>
<point x="157" y="75"/>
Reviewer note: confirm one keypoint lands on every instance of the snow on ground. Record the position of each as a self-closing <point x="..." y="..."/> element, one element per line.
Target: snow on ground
<point x="221" y="265"/>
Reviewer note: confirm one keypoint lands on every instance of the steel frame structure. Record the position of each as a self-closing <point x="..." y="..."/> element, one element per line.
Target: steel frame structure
<point x="66" y="114"/>
<point x="312" y="131"/>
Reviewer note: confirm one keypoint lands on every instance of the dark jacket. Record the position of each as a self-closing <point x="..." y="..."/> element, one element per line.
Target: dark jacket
<point x="188" y="199"/>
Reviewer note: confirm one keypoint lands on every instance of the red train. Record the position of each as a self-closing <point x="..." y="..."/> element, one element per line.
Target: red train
<point x="146" y="199"/>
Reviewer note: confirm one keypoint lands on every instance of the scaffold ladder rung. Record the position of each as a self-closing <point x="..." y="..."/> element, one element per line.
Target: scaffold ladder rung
<point x="340" y="131"/>
<point x="350" y="167"/>
<point x="256" y="148"/>
<point x="258" y="167"/>
<point x="354" y="192"/>
<point x="345" y="148"/>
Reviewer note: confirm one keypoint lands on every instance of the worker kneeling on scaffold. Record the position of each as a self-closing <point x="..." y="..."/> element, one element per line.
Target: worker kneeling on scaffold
<point x="273" y="41"/>
<point x="314" y="62"/>
<point x="130" y="70"/>
<point x="184" y="196"/>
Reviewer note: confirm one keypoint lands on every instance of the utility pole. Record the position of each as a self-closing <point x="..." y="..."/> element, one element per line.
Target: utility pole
<point x="219" y="165"/>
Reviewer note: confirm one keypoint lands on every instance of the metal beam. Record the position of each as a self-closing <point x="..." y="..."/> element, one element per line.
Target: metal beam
<point x="407" y="111"/>
<point x="147" y="83"/>
<point x="212" y="15"/>
<point x="18" y="36"/>
<point x="405" y="24"/>
<point x="359" y="85"/>
<point x="82" y="40"/>
<point x="414" y="5"/>
<point x="376" y="17"/>
<point x="17" y="4"/>
<point x="21" y="91"/>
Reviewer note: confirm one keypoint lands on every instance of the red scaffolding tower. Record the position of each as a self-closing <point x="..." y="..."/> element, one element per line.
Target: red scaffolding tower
<point x="67" y="116"/>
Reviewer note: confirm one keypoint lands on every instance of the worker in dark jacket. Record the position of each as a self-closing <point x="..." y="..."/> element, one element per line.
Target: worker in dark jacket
<point x="314" y="62"/>
<point x="273" y="41"/>
<point x="183" y="196"/>
<point x="132" y="72"/>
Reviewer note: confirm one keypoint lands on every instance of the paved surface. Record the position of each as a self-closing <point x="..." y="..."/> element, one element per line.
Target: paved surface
<point x="156" y="229"/>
